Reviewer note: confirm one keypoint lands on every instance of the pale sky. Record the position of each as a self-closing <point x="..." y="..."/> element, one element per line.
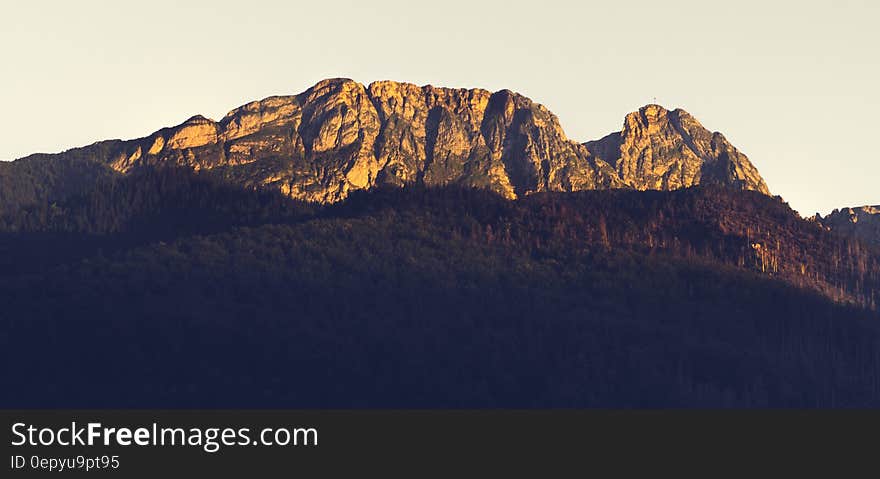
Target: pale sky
<point x="793" y="84"/>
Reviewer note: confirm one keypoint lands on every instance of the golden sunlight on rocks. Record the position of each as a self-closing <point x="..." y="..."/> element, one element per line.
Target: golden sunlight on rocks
<point x="661" y="149"/>
<point x="157" y="145"/>
<point x="340" y="136"/>
<point x="197" y="131"/>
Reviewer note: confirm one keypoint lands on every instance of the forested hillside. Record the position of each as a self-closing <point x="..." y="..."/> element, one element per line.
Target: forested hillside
<point x="171" y="289"/>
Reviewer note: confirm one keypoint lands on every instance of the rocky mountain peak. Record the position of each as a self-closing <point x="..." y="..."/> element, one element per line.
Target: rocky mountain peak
<point x="862" y="222"/>
<point x="340" y="135"/>
<point x="650" y="116"/>
<point x="662" y="150"/>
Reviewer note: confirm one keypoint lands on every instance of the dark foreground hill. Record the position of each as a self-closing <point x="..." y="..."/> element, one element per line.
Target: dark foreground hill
<point x="433" y="298"/>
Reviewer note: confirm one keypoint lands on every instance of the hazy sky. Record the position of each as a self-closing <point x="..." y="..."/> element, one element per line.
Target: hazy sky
<point x="793" y="84"/>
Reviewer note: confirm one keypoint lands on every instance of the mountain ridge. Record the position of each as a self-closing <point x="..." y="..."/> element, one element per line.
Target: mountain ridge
<point x="340" y="135"/>
<point x="862" y="222"/>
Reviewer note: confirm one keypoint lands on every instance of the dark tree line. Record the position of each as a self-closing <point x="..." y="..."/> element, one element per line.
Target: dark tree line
<point x="171" y="289"/>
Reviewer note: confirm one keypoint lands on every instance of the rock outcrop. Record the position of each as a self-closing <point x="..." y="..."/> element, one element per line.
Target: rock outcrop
<point x="862" y="222"/>
<point x="665" y="150"/>
<point x="340" y="136"/>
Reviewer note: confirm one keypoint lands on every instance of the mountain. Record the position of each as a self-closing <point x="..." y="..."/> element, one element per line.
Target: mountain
<point x="400" y="246"/>
<point x="340" y="136"/>
<point x="666" y="150"/>
<point x="862" y="222"/>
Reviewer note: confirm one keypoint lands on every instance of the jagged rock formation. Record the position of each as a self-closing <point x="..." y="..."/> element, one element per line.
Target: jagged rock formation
<point x="340" y="136"/>
<point x="862" y="222"/>
<point x="666" y="150"/>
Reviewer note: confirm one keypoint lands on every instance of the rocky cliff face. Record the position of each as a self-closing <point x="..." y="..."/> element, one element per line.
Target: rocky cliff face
<point x="340" y="136"/>
<point x="665" y="150"/>
<point x="862" y="222"/>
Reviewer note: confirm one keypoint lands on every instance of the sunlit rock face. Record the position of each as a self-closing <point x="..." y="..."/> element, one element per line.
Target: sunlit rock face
<point x="501" y="141"/>
<point x="862" y="222"/>
<point x="665" y="150"/>
<point x="340" y="135"/>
